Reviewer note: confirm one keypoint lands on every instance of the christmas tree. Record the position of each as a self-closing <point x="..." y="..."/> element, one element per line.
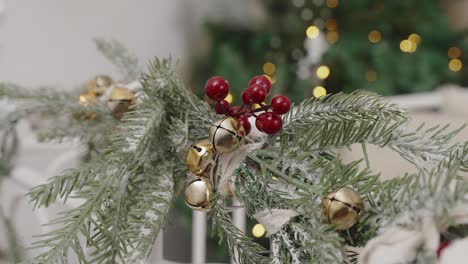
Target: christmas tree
<point x="388" y="47"/>
<point x="315" y="207"/>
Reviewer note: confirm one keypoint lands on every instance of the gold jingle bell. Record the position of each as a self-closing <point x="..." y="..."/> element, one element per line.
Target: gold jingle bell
<point x="86" y="99"/>
<point x="198" y="194"/>
<point x="342" y="208"/>
<point x="227" y="135"/>
<point x="99" y="84"/>
<point x="199" y="157"/>
<point x="120" y="100"/>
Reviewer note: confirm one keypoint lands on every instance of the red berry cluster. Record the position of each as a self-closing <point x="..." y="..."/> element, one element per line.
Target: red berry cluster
<point x="270" y="122"/>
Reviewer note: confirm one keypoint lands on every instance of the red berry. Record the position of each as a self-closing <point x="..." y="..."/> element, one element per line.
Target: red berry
<point x="280" y="104"/>
<point x="245" y="97"/>
<point x="256" y="94"/>
<point x="235" y="111"/>
<point x="221" y="107"/>
<point x="246" y="115"/>
<point x="442" y="246"/>
<point x="259" y="121"/>
<point x="245" y="123"/>
<point x="217" y="88"/>
<point x="272" y="123"/>
<point x="262" y="81"/>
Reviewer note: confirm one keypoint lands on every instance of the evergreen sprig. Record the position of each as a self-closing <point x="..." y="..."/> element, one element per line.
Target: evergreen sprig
<point x="128" y="190"/>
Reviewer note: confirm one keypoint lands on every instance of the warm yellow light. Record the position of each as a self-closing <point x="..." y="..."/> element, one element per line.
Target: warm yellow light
<point x="268" y="77"/>
<point x="454" y="52"/>
<point x="319" y="91"/>
<point x="273" y="79"/>
<point x="269" y="68"/>
<point x="371" y="76"/>
<point x="332" y="3"/>
<point x="455" y="65"/>
<point x="374" y="36"/>
<point x="258" y="230"/>
<point x="256" y="106"/>
<point x="415" y="38"/>
<point x="229" y="98"/>
<point x="406" y="45"/>
<point x="312" y="32"/>
<point x="332" y="37"/>
<point x="331" y="24"/>
<point x="322" y="72"/>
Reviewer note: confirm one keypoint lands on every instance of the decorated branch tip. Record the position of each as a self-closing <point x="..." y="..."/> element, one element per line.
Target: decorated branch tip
<point x="118" y="97"/>
<point x="267" y="117"/>
<point x="228" y="134"/>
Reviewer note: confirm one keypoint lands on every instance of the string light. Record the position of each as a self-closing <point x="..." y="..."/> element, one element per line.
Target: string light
<point x="312" y="32"/>
<point x="371" y="76"/>
<point x="258" y="230"/>
<point x="455" y="65"/>
<point x="332" y="37"/>
<point x="322" y="72"/>
<point x="332" y="3"/>
<point x="406" y="45"/>
<point x="374" y="36"/>
<point x="229" y="98"/>
<point x="269" y="68"/>
<point x="319" y="91"/>
<point x="454" y="53"/>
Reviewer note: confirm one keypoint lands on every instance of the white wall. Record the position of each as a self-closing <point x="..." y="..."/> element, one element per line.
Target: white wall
<point x="49" y="42"/>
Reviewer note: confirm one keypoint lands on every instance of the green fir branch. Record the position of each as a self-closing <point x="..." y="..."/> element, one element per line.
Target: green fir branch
<point x="243" y="249"/>
<point x="118" y="55"/>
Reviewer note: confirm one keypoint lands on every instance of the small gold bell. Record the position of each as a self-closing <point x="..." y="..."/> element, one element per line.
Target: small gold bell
<point x="227" y="135"/>
<point x="99" y="84"/>
<point x="342" y="208"/>
<point x="120" y="99"/>
<point x="199" y="156"/>
<point x="87" y="99"/>
<point x="198" y="194"/>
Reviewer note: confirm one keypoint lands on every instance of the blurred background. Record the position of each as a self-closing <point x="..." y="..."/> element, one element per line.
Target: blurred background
<point x="410" y="50"/>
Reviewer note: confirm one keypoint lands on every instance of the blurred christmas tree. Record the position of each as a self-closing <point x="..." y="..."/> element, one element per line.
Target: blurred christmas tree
<point x="389" y="47"/>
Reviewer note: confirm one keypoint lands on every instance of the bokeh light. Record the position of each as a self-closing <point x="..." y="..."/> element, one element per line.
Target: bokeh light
<point x="454" y="52"/>
<point x="332" y="3"/>
<point x="374" y="36"/>
<point x="322" y="72"/>
<point x="258" y="230"/>
<point x="371" y="76"/>
<point x="406" y="45"/>
<point x="331" y="24"/>
<point x="312" y="32"/>
<point x="269" y="68"/>
<point x="332" y="37"/>
<point x="229" y="98"/>
<point x="319" y="91"/>
<point x="455" y="65"/>
<point x="415" y="38"/>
